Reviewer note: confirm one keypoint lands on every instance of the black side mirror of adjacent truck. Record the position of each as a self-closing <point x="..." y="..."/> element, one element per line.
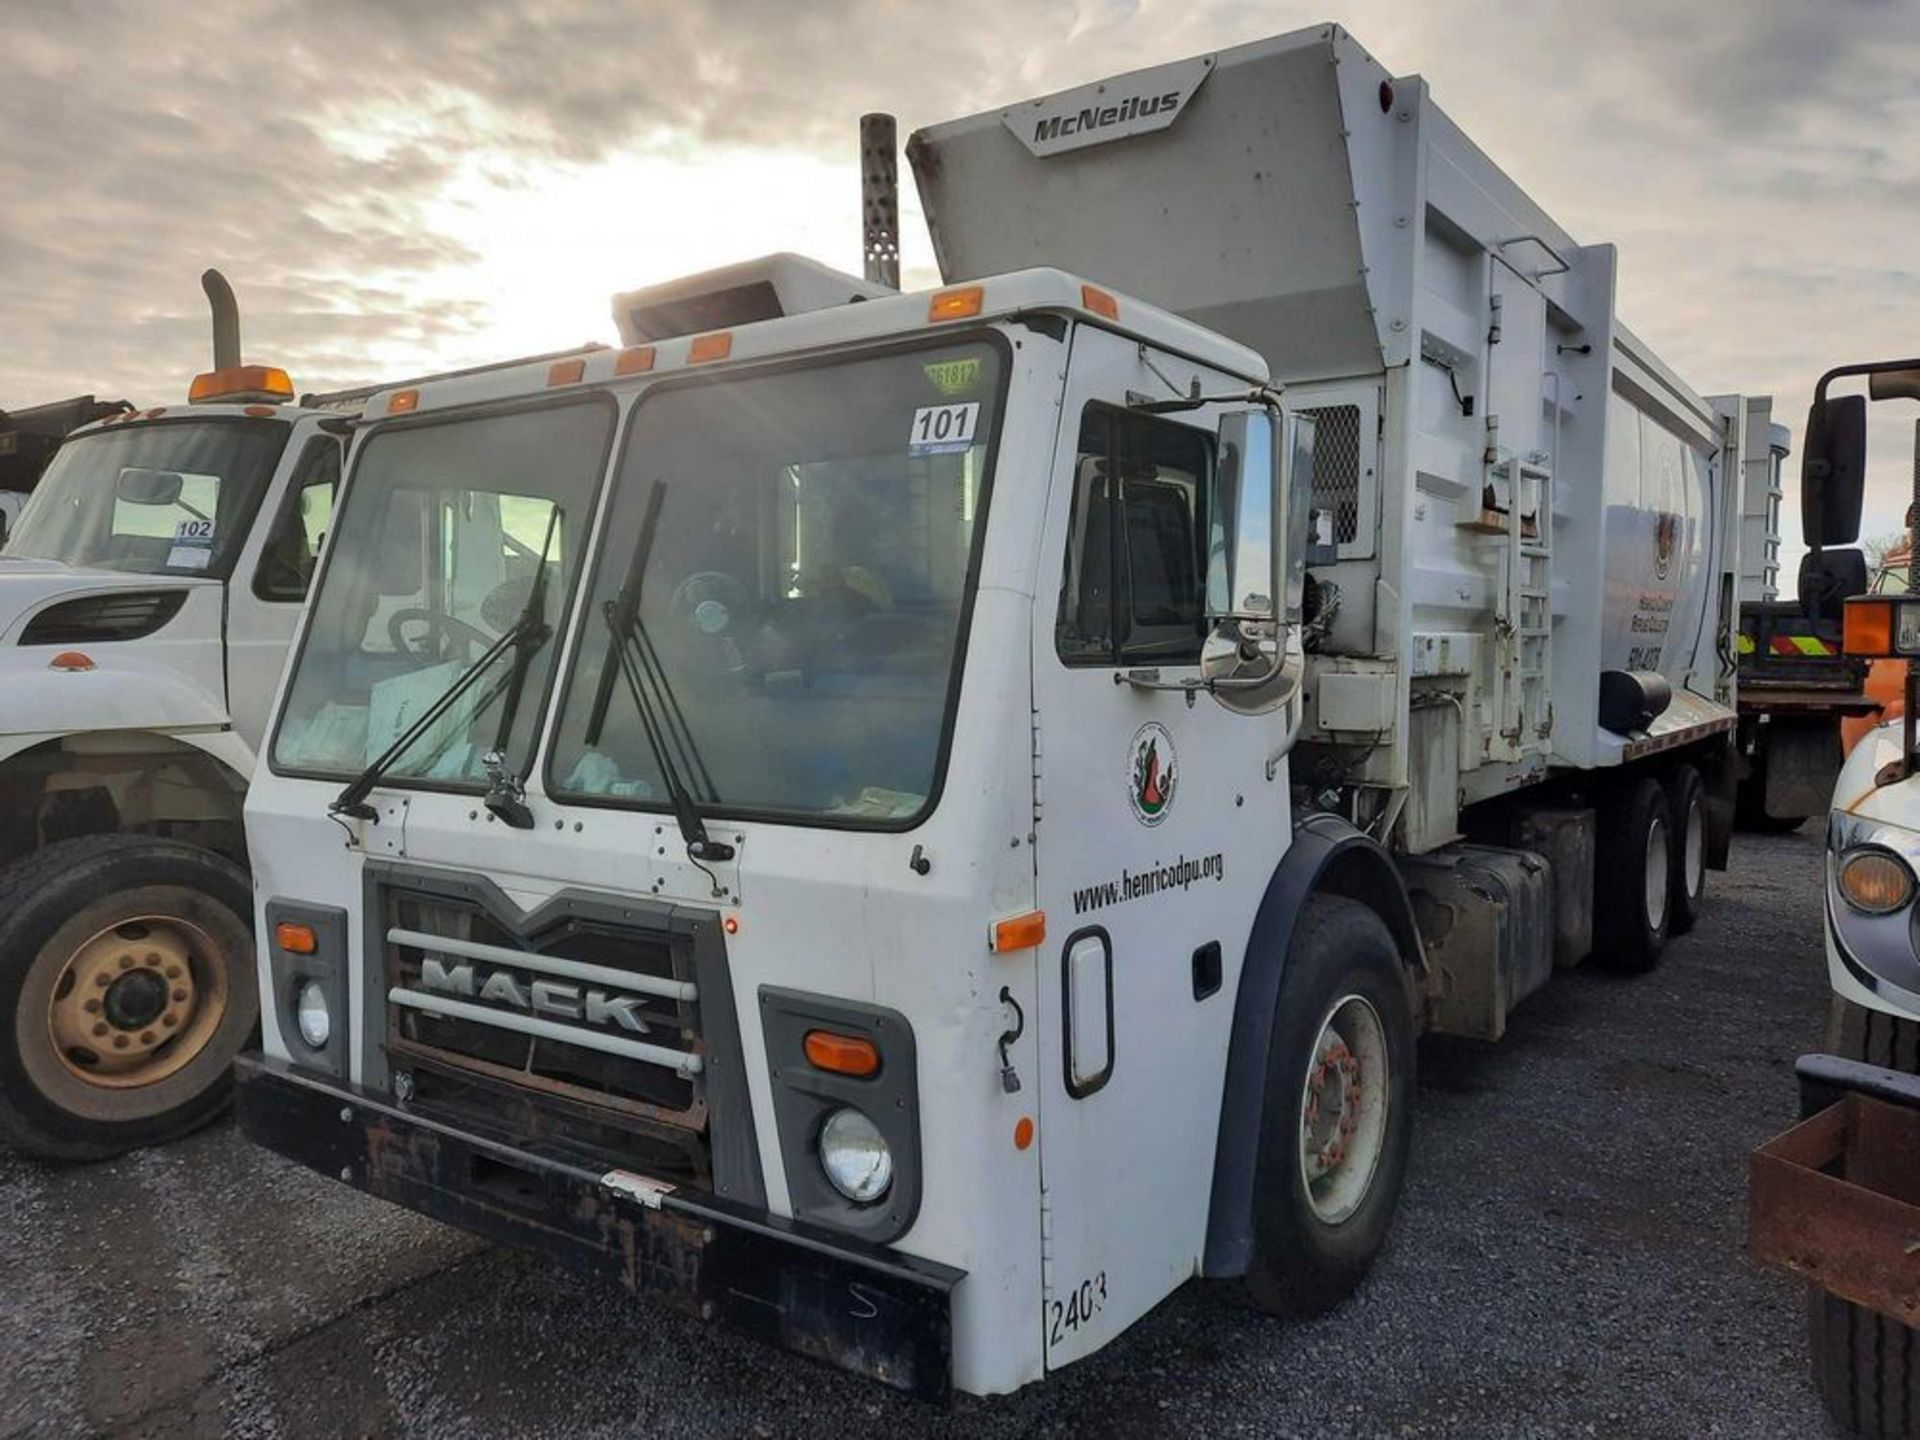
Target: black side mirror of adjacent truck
<point x="1833" y="469"/>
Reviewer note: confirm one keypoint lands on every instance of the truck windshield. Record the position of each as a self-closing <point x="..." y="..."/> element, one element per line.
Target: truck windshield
<point x="804" y="594"/>
<point x="436" y="548"/>
<point x="168" y="497"/>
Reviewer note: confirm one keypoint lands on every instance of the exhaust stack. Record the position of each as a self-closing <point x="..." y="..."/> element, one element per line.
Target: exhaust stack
<point x="880" y="198"/>
<point x="226" y="320"/>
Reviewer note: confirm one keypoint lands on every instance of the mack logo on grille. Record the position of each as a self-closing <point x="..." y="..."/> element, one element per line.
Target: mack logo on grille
<point x="554" y="999"/>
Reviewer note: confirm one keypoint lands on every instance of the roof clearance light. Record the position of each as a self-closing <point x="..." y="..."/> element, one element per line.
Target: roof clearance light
<point x="1099" y="302"/>
<point x="961" y="304"/>
<point x="717" y="346"/>
<point x="242" y="382"/>
<point x="402" y="401"/>
<point x="566" y="372"/>
<point x="635" y="360"/>
<point x="71" y="660"/>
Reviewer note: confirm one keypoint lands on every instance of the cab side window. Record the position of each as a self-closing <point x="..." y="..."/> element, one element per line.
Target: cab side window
<point x="287" y="559"/>
<point x="1133" y="590"/>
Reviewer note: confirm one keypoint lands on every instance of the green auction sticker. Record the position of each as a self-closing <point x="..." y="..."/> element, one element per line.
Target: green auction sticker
<point x="953" y="377"/>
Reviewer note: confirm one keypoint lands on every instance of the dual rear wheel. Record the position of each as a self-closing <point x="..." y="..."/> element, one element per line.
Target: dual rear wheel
<point x="1650" y="871"/>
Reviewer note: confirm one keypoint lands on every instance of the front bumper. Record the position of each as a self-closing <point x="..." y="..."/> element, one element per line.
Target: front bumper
<point x="1836" y="1199"/>
<point x="854" y="1305"/>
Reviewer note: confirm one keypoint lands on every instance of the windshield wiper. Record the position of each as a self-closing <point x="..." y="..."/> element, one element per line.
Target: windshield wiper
<point x="506" y="794"/>
<point x="526" y="634"/>
<point x="631" y="650"/>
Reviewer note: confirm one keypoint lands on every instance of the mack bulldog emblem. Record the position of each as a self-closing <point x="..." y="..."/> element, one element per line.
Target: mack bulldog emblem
<point x="553" y="999"/>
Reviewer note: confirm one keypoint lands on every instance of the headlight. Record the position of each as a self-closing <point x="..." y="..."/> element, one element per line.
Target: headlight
<point x="310" y="1013"/>
<point x="854" y="1154"/>
<point x="1875" y="881"/>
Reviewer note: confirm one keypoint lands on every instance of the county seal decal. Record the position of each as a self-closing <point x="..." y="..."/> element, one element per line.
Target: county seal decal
<point x="1153" y="774"/>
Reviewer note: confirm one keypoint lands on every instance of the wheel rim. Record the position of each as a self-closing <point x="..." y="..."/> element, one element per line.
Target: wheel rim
<point x="136" y="1002"/>
<point x="1696" y="848"/>
<point x="1343" y="1109"/>
<point x="1658" y="873"/>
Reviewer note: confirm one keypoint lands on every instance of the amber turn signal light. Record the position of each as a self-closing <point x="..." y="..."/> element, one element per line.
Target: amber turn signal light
<point x="1021" y="932"/>
<point x="961" y="304"/>
<point x="842" y="1054"/>
<point x="295" y="939"/>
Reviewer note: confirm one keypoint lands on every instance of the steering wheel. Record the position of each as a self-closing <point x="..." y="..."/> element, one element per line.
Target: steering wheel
<point x="710" y="599"/>
<point x="437" y="624"/>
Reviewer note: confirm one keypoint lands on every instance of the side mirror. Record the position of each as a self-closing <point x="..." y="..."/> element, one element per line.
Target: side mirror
<point x="1257" y="559"/>
<point x="1243" y="571"/>
<point x="1833" y="467"/>
<point x="139" y="486"/>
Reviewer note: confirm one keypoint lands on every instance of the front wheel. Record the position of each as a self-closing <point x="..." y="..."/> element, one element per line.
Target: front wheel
<point x="1339" y="1112"/>
<point x="126" y="971"/>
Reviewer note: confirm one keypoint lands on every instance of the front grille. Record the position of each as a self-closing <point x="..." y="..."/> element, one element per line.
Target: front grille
<point x="94" y="618"/>
<point x="574" y="1012"/>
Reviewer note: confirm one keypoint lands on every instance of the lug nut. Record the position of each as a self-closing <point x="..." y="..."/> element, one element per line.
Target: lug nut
<point x="173" y="972"/>
<point x="146" y="1037"/>
<point x="179" y="996"/>
<point x="169" y="1019"/>
<point x="119" y="1042"/>
<point x="92" y="1007"/>
<point x="101" y="1028"/>
<point x="102" y="979"/>
<point x="126" y="962"/>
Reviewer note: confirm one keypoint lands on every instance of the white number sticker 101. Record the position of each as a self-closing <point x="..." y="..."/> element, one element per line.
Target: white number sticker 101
<point x="943" y="429"/>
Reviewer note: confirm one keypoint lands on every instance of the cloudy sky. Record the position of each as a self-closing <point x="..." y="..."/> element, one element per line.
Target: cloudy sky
<point x="401" y="187"/>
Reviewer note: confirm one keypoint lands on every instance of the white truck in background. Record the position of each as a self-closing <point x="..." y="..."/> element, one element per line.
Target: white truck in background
<point x="957" y="827"/>
<point x="147" y="598"/>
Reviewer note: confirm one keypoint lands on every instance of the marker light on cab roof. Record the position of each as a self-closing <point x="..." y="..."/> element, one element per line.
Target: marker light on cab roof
<point x="242" y="382"/>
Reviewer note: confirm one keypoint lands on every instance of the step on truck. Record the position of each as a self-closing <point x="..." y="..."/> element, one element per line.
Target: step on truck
<point x="939" y="819"/>
<point x="1835" y="1201"/>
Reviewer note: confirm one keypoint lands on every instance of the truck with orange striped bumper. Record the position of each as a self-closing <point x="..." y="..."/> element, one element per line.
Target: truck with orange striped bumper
<point x="1796" y="685"/>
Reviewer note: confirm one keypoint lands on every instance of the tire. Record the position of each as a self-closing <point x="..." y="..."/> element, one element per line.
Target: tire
<point x="1631" y="881"/>
<point x="141" y="942"/>
<point x="1687" y="850"/>
<point x="1866" y="1366"/>
<point x="1342" y="1018"/>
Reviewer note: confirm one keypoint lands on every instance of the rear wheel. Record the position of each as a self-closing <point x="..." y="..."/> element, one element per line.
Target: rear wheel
<point x="1633" y="875"/>
<point x="127" y="981"/>
<point x="1339" y="1112"/>
<point x="1687" y="852"/>
<point x="1867" y="1365"/>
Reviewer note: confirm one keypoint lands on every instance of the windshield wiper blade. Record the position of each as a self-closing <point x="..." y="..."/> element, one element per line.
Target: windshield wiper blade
<point x="352" y="799"/>
<point x="631" y="657"/>
<point x="526" y="634"/>
<point x="506" y="794"/>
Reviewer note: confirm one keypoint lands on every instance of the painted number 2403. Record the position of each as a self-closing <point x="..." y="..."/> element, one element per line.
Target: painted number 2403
<point x="1083" y="1302"/>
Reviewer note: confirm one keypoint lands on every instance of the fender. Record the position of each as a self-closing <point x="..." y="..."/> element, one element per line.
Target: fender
<point x="1327" y="856"/>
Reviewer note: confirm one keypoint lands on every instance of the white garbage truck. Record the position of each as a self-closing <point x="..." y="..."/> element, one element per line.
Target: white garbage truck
<point x="914" y="824"/>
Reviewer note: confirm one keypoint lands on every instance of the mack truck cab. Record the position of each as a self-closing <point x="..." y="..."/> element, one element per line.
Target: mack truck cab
<point x="1835" y="1201"/>
<point x="147" y="597"/>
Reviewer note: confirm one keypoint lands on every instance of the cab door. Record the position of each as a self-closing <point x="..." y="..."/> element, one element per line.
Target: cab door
<point x="1158" y="829"/>
<point x="270" y="582"/>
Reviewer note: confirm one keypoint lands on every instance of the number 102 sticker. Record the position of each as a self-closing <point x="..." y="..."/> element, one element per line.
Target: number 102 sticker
<point x="943" y="429"/>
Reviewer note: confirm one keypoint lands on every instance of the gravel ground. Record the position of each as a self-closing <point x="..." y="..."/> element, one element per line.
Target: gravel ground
<point x="1568" y="1262"/>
